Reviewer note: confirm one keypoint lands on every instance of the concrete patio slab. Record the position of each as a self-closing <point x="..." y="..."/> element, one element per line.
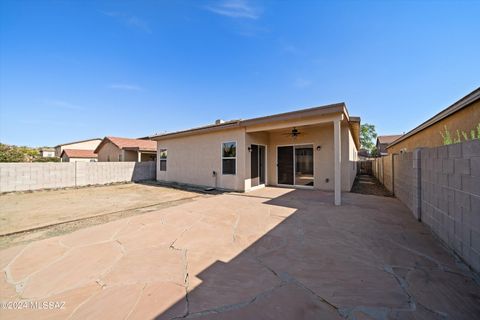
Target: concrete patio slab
<point x="269" y="254"/>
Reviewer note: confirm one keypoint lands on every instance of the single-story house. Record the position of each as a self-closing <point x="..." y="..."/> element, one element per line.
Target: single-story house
<point x="383" y="142"/>
<point x="47" y="152"/>
<point x="78" y="155"/>
<point x="463" y="115"/>
<point x="125" y="149"/>
<point x="310" y="148"/>
<point x="89" y="144"/>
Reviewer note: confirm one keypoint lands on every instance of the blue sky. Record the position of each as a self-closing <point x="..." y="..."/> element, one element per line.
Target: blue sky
<point x="71" y="70"/>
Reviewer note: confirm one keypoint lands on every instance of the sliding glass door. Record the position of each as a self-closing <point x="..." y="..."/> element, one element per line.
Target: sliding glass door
<point x="257" y="157"/>
<point x="295" y="165"/>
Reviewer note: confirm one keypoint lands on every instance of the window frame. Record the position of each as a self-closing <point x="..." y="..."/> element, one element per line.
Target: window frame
<point x="229" y="158"/>
<point x="160" y="159"/>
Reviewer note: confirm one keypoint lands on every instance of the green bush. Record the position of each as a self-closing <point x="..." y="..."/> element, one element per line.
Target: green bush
<point x="11" y="153"/>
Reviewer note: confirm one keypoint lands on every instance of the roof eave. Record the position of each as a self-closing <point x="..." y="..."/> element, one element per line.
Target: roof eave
<point x="457" y="106"/>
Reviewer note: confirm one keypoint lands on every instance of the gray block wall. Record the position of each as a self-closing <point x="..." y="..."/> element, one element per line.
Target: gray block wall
<point x="450" y="197"/>
<point x="441" y="186"/>
<point x="404" y="179"/>
<point x="35" y="176"/>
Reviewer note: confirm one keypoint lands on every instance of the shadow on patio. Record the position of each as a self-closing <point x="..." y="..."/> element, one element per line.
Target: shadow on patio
<point x="366" y="259"/>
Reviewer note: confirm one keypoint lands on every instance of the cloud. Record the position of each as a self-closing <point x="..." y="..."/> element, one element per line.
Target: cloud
<point x="63" y="105"/>
<point x="125" y="86"/>
<point x="131" y="21"/>
<point x="235" y="9"/>
<point x="302" y="83"/>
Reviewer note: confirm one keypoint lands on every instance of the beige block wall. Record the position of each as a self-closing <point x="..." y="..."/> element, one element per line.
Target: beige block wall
<point x="109" y="150"/>
<point x="87" y="145"/>
<point x="192" y="159"/>
<point x="464" y="120"/>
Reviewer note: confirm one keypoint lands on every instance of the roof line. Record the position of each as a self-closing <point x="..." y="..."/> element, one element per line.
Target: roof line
<point x="64" y="144"/>
<point x="456" y="106"/>
<point x="335" y="107"/>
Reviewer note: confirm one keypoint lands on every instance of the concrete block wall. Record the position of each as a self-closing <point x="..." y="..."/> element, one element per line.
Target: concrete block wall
<point x="450" y="197"/>
<point x="35" y="176"/>
<point x="388" y="172"/>
<point x="403" y="180"/>
<point x="441" y="186"/>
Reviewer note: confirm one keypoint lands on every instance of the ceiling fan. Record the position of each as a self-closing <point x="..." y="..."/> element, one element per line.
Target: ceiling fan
<point x="294" y="133"/>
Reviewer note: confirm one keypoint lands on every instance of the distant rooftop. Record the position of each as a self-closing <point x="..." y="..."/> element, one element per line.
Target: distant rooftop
<point x="77" y="153"/>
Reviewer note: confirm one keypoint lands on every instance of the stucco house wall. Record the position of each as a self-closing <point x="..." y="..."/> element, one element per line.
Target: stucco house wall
<point x="464" y="120"/>
<point x="182" y="167"/>
<point x="85" y="145"/>
<point x="129" y="155"/>
<point x="109" y="153"/>
<point x="192" y="159"/>
<point x="349" y="159"/>
<point x="67" y="159"/>
<point x="322" y="160"/>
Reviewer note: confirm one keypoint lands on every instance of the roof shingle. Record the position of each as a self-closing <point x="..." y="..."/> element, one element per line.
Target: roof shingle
<point x="137" y="144"/>
<point x="388" y="139"/>
<point x="77" y="153"/>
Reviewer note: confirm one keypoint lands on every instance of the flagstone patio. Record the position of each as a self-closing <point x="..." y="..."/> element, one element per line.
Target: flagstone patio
<point x="273" y="253"/>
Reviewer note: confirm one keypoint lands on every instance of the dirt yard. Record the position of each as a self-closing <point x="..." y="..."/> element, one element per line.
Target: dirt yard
<point x="71" y="209"/>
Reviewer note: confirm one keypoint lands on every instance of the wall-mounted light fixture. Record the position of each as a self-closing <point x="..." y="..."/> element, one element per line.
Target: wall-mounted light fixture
<point x="319" y="147"/>
<point x="249" y="149"/>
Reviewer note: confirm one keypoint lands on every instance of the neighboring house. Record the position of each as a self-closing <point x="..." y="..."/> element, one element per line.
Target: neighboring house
<point x="76" y="155"/>
<point x="463" y="115"/>
<point x="124" y="149"/>
<point x="310" y="148"/>
<point x="364" y="154"/>
<point x="47" y="152"/>
<point x="89" y="144"/>
<point x="383" y="142"/>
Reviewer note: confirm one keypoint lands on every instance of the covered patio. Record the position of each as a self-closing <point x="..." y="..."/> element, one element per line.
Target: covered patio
<point x="303" y="152"/>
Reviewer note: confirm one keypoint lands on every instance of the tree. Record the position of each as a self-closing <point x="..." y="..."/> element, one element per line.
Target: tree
<point x="368" y="136"/>
<point x="11" y="153"/>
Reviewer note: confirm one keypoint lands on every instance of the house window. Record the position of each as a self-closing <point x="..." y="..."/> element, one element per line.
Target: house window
<point x="229" y="157"/>
<point x="163" y="159"/>
<point x="119" y="157"/>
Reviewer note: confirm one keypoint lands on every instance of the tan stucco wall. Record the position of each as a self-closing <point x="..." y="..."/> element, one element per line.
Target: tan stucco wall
<point x="466" y="119"/>
<point x="109" y="149"/>
<point x="87" y="145"/>
<point x="192" y="159"/>
<point x="129" y="155"/>
<point x="349" y="159"/>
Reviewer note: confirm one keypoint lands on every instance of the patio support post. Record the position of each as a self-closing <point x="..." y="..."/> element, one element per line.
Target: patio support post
<point x="139" y="156"/>
<point x="337" y="145"/>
